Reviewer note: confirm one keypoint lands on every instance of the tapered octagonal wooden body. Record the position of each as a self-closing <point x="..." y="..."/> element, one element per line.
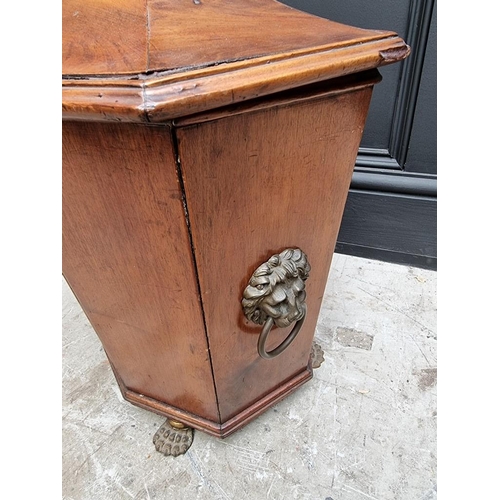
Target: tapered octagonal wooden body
<point x="200" y="139"/>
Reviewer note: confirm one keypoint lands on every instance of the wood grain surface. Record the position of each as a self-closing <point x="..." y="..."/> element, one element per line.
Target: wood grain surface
<point x="195" y="34"/>
<point x="128" y="259"/>
<point x="257" y="183"/>
<point x="137" y="36"/>
<point x="104" y="36"/>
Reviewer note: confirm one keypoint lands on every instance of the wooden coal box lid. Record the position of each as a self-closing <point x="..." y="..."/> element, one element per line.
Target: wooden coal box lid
<point x="156" y="60"/>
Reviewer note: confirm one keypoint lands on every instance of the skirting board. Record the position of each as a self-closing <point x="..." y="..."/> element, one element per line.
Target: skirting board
<point x="214" y="428"/>
<point x="392" y="227"/>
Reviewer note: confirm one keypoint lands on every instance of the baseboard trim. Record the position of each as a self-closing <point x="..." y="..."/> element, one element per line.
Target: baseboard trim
<point x="394" y="182"/>
<point x="420" y="261"/>
<point x="214" y="428"/>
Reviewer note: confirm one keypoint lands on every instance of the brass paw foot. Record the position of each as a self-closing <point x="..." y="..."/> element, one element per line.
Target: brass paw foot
<point x="317" y="355"/>
<point x="173" y="438"/>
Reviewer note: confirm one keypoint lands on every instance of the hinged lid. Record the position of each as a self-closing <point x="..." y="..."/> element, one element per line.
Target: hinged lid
<point x="154" y="60"/>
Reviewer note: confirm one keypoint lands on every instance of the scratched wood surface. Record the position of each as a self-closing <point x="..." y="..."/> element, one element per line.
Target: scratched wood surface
<point x="257" y="183"/>
<point x="104" y="36"/>
<point x="136" y="36"/>
<point x="127" y="257"/>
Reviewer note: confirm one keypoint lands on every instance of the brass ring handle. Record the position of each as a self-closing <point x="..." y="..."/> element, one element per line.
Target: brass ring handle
<point x="261" y="345"/>
<point x="275" y="295"/>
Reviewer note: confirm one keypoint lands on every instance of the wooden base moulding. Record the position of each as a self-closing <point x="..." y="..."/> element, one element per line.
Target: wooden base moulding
<point x="214" y="428"/>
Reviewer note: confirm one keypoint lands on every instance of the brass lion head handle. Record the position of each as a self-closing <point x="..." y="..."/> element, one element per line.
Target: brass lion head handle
<point x="275" y="295"/>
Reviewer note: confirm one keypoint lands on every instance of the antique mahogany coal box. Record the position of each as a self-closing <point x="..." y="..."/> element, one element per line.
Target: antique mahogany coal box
<point x="208" y="148"/>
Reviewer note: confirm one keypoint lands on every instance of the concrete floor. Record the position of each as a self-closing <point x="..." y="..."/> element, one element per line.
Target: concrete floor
<point x="363" y="428"/>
